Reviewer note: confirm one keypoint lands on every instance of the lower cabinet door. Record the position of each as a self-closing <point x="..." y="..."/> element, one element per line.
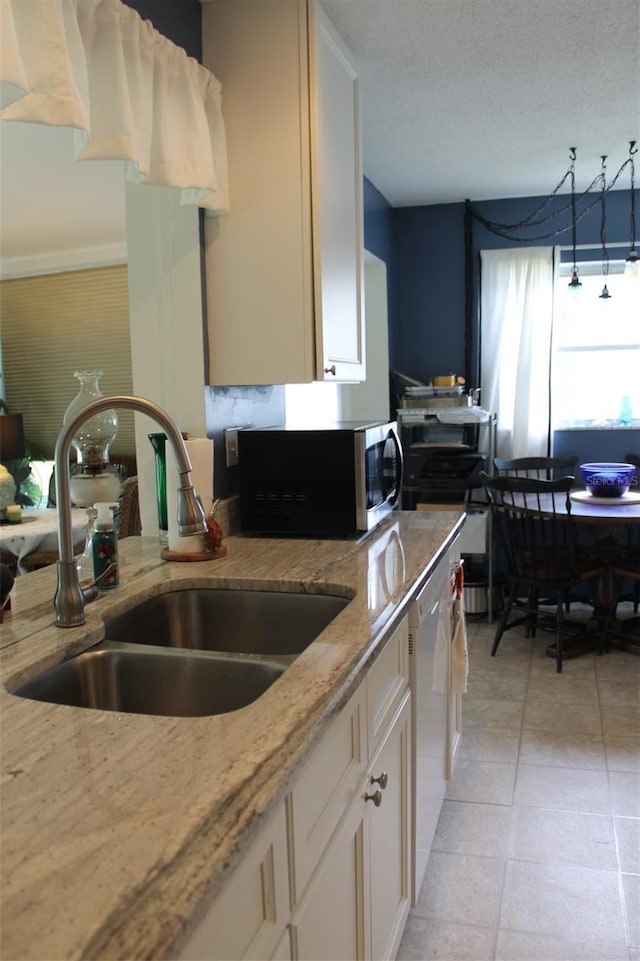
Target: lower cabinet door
<point x="248" y="920"/>
<point x="329" y="923"/>
<point x="389" y="830"/>
<point x="357" y="902"/>
<point x="282" y="950"/>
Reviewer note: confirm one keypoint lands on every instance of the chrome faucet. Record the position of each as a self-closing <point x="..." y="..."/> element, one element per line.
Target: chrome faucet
<point x="71" y="598"/>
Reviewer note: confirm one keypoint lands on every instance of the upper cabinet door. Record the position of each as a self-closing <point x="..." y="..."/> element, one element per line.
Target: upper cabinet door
<point x="284" y="275"/>
<point x="336" y="181"/>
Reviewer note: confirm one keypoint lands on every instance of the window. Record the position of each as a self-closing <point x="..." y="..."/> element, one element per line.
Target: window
<point x="53" y="325"/>
<point x="595" y="372"/>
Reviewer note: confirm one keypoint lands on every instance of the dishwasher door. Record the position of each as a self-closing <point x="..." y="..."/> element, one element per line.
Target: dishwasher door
<point x="429" y="653"/>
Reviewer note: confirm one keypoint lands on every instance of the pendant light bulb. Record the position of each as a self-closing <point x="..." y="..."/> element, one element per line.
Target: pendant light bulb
<point x="632" y="265"/>
<point x="605" y="295"/>
<point x="575" y="282"/>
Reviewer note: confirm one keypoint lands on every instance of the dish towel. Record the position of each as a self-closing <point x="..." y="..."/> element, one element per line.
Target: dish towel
<point x="441" y="658"/>
<point x="459" y="649"/>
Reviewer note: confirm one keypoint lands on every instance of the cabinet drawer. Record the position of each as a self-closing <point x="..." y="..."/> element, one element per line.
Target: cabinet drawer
<point x="386" y="682"/>
<point x="325" y="789"/>
<point x="248" y="919"/>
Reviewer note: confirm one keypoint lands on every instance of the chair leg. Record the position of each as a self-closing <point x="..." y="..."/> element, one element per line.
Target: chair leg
<point x="532" y="612"/>
<point x="607" y="621"/>
<point x="567" y="601"/>
<point x="559" y="632"/>
<point x="508" y="604"/>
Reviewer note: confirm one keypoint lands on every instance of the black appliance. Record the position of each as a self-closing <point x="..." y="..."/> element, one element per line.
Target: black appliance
<point x="442" y="474"/>
<point x="335" y="481"/>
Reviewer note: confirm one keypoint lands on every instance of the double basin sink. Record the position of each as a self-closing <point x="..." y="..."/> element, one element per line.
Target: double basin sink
<point x="189" y="653"/>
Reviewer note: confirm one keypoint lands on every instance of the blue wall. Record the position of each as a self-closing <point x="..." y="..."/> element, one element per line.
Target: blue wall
<point x="597" y="445"/>
<point x="427" y="303"/>
<point x="378" y="223"/>
<point x="426" y="317"/>
<point x="179" y="20"/>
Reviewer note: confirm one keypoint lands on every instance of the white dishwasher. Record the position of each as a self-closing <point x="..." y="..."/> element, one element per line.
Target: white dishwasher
<point x="430" y="636"/>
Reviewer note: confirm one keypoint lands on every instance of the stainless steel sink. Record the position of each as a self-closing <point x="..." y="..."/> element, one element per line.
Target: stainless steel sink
<point x="268" y="623"/>
<point x="189" y="653"/>
<point x="113" y="677"/>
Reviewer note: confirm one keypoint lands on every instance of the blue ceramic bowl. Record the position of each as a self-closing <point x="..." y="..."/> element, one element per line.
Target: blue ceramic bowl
<point x="607" y="480"/>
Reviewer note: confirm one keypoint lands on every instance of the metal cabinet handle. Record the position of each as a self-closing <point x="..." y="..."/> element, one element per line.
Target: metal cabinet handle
<point x="376" y="797"/>
<point x="382" y="780"/>
<point x="330" y="370"/>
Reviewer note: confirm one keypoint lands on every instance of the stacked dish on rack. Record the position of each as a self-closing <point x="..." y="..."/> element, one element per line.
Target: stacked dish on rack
<point x="434" y="397"/>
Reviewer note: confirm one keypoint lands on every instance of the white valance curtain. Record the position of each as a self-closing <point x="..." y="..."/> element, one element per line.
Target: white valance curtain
<point x="516" y="313"/>
<point x="130" y="93"/>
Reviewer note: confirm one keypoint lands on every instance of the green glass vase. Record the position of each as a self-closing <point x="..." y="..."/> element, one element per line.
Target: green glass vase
<point x="158" y="442"/>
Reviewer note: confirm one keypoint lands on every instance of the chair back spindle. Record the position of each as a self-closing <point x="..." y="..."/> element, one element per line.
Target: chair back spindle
<point x="535" y="531"/>
<point x="538" y="468"/>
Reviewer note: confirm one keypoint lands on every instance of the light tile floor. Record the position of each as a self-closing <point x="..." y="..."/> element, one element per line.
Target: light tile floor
<point x="537" y="851"/>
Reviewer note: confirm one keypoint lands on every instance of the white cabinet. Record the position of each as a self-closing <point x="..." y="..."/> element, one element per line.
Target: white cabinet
<point x="249" y="918"/>
<point x="368" y="400"/>
<point x="429" y="672"/>
<point x="357" y="900"/>
<point x="435" y="671"/>
<point x="329" y="784"/>
<point x="284" y="269"/>
<point x="329" y="922"/>
<point x="390" y="837"/>
<point x="354" y="900"/>
<point x="328" y="877"/>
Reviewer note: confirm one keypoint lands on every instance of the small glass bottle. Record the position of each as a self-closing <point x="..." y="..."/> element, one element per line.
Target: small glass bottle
<point x="625" y="411"/>
<point x="104" y="545"/>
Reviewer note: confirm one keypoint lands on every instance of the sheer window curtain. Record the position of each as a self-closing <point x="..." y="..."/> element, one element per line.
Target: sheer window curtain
<point x="516" y="313"/>
<point x="129" y="92"/>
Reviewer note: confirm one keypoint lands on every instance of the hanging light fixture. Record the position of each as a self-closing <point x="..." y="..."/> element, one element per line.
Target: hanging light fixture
<point x="574" y="283"/>
<point x="605" y="295"/>
<point x="632" y="266"/>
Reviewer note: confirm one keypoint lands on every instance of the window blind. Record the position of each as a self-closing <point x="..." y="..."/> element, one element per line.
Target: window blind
<point x="54" y="324"/>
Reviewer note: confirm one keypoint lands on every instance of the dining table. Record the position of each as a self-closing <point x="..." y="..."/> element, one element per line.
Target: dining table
<point x="611" y="523"/>
<point x="38" y="531"/>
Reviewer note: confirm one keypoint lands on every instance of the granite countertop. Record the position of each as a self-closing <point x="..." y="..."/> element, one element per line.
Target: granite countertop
<point x="116" y="828"/>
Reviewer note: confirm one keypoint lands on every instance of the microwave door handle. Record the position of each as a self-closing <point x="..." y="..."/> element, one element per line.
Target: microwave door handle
<point x="400" y="462"/>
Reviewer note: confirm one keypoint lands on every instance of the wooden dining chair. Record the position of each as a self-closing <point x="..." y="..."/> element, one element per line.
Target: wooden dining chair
<point x="540" y="468"/>
<point x="129" y="523"/>
<point x="9" y="560"/>
<point x="626" y="566"/>
<point x="533" y="523"/>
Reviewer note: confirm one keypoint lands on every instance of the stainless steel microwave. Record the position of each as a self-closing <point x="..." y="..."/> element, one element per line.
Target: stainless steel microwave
<point x="335" y="481"/>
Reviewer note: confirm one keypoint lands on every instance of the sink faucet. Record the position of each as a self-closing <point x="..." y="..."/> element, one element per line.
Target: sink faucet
<point x="70" y="598"/>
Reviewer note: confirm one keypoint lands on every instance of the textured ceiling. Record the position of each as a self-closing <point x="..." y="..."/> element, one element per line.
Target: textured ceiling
<point x="484" y="98"/>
